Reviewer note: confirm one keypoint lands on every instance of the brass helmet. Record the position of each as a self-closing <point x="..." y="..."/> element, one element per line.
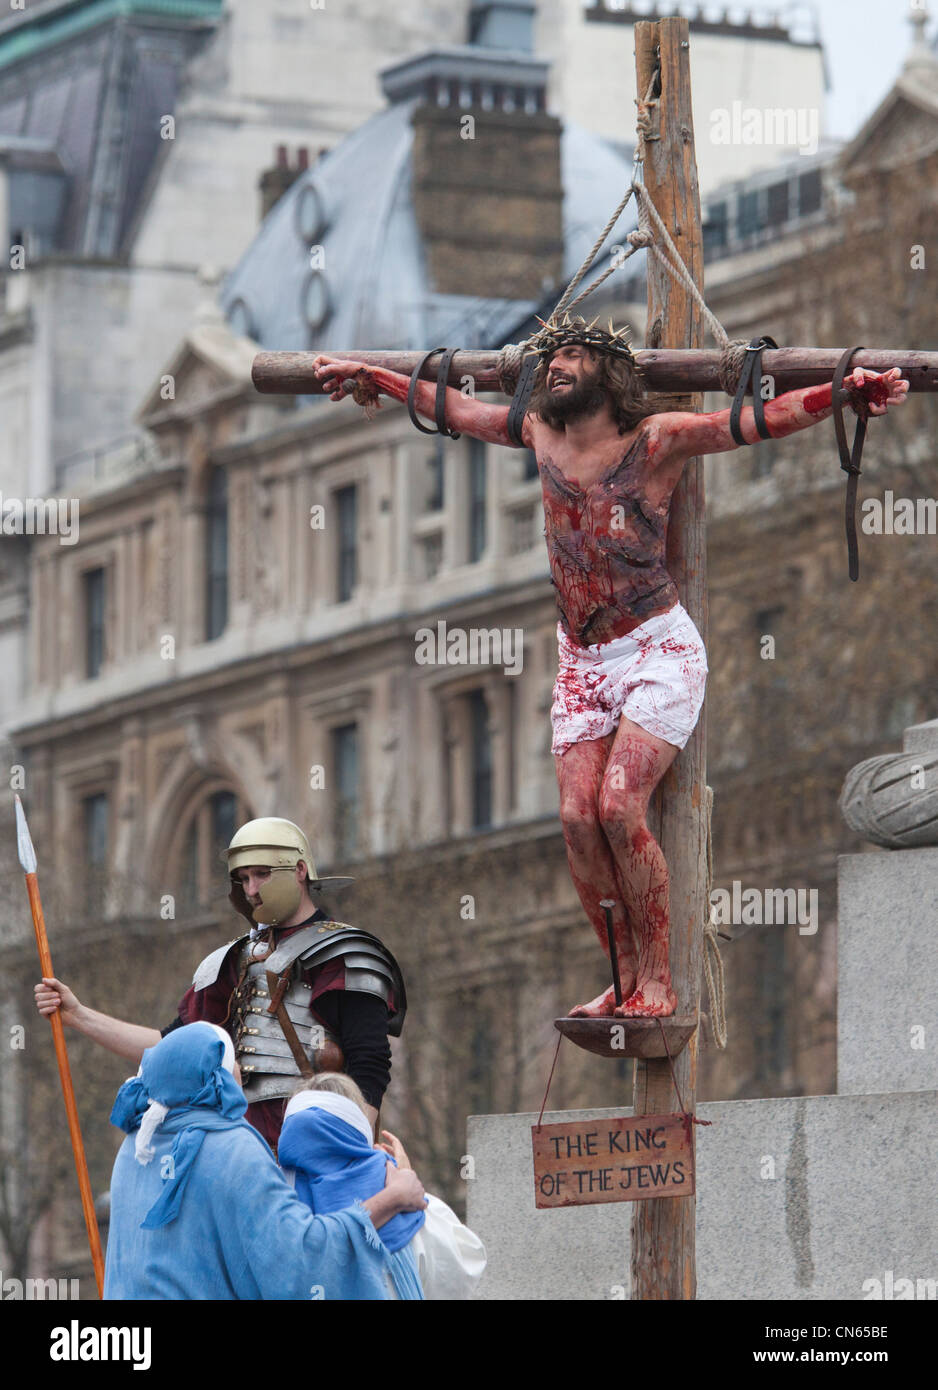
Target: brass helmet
<point x="279" y="845"/>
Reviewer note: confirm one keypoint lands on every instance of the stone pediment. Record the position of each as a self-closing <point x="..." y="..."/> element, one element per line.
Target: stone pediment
<point x="209" y="361"/>
<point x="903" y="128"/>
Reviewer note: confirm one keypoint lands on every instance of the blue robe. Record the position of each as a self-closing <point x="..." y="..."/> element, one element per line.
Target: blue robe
<point x="241" y="1232"/>
<point x="211" y="1216"/>
<point x="333" y="1165"/>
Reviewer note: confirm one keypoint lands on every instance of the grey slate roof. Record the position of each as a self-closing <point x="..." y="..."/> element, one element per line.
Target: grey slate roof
<point x="93" y="82"/>
<point x="373" y="260"/>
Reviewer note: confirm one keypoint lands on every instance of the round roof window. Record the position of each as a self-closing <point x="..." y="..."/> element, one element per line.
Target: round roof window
<point x="316" y="300"/>
<point x="310" y="214"/>
<point x="240" y="319"/>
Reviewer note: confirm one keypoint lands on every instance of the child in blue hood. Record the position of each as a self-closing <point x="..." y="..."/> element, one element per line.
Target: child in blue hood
<point x="327" y="1150"/>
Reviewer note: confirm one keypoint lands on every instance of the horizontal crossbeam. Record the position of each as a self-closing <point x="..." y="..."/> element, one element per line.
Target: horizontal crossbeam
<point x="682" y="371"/>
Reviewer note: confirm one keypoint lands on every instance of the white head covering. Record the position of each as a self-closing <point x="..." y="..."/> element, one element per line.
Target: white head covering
<point x="156" y="1113"/>
<point x="228" y="1057"/>
<point x="340" y="1106"/>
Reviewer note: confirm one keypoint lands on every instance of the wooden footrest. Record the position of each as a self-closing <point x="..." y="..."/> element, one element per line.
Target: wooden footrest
<point x="628" y="1037"/>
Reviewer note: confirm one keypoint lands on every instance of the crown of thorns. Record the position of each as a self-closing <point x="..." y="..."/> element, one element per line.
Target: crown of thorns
<point x="577" y="332"/>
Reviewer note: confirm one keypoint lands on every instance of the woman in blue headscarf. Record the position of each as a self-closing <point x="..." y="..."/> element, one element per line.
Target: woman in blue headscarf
<point x="199" y="1208"/>
<point x="326" y="1149"/>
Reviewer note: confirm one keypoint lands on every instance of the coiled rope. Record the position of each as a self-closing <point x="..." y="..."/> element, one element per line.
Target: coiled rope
<point x="653" y="235"/>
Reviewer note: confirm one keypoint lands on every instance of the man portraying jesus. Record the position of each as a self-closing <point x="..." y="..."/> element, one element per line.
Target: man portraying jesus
<point x="632" y="668"/>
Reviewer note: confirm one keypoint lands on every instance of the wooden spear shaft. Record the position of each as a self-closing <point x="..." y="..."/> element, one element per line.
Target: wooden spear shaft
<point x="665" y="369"/>
<point x="28" y="860"/>
<point x="663" y="1229"/>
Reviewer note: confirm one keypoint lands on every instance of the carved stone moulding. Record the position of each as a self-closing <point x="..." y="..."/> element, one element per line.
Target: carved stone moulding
<point x="892" y="800"/>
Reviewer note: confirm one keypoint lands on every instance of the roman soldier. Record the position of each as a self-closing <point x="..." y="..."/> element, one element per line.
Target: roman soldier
<point x="298" y="992"/>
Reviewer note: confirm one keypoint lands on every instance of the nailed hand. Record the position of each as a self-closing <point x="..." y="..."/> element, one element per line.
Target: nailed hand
<point x="335" y="373"/>
<point x="871" y="393"/>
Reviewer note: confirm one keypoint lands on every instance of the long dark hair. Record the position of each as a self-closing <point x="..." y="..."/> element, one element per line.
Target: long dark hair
<point x="618" y="378"/>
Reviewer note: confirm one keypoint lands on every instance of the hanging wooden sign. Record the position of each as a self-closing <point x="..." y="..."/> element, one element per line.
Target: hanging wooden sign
<point x="615" y="1160"/>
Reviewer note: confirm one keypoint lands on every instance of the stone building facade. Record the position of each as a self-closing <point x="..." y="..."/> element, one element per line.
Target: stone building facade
<point x="237" y="632"/>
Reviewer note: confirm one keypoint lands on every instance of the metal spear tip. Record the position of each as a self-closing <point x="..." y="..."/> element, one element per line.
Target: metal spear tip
<point x="24" y="844"/>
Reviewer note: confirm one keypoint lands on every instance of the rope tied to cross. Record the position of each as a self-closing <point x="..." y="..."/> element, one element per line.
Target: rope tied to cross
<point x="712" y="960"/>
<point x="652" y="235"/>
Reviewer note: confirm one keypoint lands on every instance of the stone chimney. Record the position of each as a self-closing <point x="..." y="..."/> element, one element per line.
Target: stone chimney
<point x="487" y="186"/>
<point x="274" y="182"/>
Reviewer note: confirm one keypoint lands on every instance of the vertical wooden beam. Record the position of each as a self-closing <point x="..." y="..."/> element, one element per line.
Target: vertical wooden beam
<point x="663" y="1230"/>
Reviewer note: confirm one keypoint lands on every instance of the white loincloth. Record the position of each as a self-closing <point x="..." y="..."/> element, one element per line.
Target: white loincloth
<point x="655" y="675"/>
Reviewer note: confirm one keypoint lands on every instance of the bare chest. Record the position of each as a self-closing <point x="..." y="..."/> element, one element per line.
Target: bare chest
<point x="585" y="470"/>
<point x="591" y="492"/>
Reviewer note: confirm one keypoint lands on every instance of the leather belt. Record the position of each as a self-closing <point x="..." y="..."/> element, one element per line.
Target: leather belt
<point x="849" y="460"/>
<point x="751" y="378"/>
<point x="278" y="989"/>
<point x="442" y="375"/>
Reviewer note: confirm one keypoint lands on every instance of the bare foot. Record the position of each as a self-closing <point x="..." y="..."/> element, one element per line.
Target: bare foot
<point x="654" y="1000"/>
<point x="604" y="1005"/>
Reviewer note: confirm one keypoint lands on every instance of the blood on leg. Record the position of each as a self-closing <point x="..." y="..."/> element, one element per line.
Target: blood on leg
<point x="580" y="772"/>
<point x="636" y="763"/>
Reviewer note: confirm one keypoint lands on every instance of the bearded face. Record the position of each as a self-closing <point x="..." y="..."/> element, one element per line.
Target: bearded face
<point x="571" y="389"/>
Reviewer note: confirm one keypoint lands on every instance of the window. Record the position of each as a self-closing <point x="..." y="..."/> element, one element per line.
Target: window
<point x="778" y="204"/>
<point x="809" y="192"/>
<point x="95" y="819"/>
<point x="747" y="214"/>
<point x="522" y="530"/>
<point x="768" y="618"/>
<point x="94" y="622"/>
<point x="772" y="1038"/>
<point x="481" y="761"/>
<point x="477" y="500"/>
<point x="223" y="817"/>
<point x="770" y="698"/>
<point x="715" y="228"/>
<point x="346" y="501"/>
<point x="481" y="1059"/>
<point x="761" y="462"/>
<point x="345" y="766"/>
<point x="432" y="551"/>
<point x="435" y="493"/>
<point x="209" y="833"/>
<point x="216" y="555"/>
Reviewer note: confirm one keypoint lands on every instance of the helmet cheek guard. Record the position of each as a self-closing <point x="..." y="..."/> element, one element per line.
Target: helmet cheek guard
<point x="238" y="900"/>
<point x="279" y="897"/>
<point x="278" y="845"/>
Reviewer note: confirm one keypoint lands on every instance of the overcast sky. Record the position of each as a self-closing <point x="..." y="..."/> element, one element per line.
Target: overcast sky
<point x="865" y="45"/>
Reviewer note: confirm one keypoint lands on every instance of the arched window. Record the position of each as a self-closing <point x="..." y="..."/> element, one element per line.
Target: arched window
<point x="201" y="873"/>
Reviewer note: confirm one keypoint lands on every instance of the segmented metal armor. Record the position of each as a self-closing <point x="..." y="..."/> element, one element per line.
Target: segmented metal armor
<point x="263" y="1048"/>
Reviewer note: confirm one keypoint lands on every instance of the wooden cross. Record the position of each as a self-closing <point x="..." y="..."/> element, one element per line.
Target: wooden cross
<point x="663" y="1230"/>
<point x="665" y="369"/>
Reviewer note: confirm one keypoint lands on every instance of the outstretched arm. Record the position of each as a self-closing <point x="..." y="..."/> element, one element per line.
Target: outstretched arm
<point x="463" y="413"/>
<point x="681" y="435"/>
<point x="128" y="1040"/>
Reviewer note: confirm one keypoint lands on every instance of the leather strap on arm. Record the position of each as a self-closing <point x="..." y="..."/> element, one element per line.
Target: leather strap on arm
<point x="751" y="377"/>
<point x="442" y="376"/>
<point x="519" y="401"/>
<point x="849" y="459"/>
